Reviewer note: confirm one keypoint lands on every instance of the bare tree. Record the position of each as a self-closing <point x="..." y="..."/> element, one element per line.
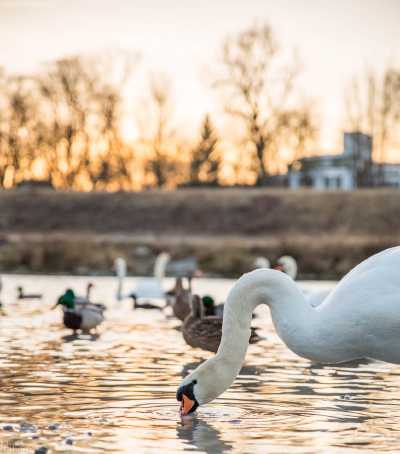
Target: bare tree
<point x="204" y="161"/>
<point x="302" y="131"/>
<point x="158" y="133"/>
<point x="83" y="146"/>
<point x="19" y="128"/>
<point x="372" y="104"/>
<point x="258" y="84"/>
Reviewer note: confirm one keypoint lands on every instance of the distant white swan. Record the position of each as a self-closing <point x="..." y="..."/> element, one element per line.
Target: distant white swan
<point x="359" y="319"/>
<point x="261" y="262"/>
<point x="288" y="265"/>
<point x="148" y="287"/>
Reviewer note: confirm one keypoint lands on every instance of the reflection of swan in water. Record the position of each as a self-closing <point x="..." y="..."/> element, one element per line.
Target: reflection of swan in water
<point x="202" y="436"/>
<point x="146" y="288"/>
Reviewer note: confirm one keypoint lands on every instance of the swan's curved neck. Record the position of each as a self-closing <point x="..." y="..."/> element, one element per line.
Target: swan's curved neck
<point x="293" y="318"/>
<point x="120" y="266"/>
<point x="160" y="266"/>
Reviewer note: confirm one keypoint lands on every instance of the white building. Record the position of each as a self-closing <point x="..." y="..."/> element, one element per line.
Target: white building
<point x="351" y="169"/>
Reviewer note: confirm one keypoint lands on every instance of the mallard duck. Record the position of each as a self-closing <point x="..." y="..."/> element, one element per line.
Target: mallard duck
<point x="78" y="315"/>
<point x="201" y="331"/>
<point x="27" y="296"/>
<point x="210" y="308"/>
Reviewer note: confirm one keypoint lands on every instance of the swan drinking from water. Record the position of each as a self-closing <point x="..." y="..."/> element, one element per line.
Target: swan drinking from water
<point x="360" y="318"/>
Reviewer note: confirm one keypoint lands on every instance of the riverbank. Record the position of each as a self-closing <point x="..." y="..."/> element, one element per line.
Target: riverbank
<point x="328" y="233"/>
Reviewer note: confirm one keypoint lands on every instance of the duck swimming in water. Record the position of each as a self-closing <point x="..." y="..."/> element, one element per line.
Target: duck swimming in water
<point x="210" y="308"/>
<point x="205" y="331"/>
<point x="27" y="296"/>
<point x="79" y="315"/>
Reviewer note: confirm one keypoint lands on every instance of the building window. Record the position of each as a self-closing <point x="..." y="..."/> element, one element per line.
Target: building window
<point x="307" y="181"/>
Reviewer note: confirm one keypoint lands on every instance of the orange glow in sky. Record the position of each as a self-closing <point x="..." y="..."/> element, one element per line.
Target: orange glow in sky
<point x="335" y="39"/>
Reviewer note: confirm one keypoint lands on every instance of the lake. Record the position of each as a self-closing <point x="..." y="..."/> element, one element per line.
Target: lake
<point x="116" y="393"/>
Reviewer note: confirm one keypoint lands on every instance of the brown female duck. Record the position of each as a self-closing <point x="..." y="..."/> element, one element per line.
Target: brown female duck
<point x="201" y="331"/>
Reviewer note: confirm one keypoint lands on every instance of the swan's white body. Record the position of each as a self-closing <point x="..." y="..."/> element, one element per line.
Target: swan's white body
<point x="317" y="298"/>
<point x="149" y="287"/>
<point x="360" y="318"/>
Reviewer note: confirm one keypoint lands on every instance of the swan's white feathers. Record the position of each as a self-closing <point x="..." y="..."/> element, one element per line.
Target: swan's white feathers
<point x="360" y="318"/>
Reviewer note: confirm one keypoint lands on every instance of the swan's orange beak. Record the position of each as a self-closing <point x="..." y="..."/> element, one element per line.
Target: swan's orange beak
<point x="187" y="405"/>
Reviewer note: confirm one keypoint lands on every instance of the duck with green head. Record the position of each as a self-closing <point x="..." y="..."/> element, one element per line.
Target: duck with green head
<point x="77" y="315"/>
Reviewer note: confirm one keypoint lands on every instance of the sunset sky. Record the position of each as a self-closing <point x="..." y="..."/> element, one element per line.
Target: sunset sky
<point x="336" y="40"/>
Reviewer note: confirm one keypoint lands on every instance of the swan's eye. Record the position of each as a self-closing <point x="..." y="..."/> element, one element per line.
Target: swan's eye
<point x="186" y="389"/>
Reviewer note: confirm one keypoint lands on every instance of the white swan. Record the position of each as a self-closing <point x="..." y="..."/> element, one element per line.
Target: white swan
<point x="288" y="265"/>
<point x="359" y="319"/>
<point x="148" y="287"/>
<point x="261" y="262"/>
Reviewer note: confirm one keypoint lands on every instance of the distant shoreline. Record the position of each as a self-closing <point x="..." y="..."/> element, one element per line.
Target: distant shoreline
<point x="44" y="231"/>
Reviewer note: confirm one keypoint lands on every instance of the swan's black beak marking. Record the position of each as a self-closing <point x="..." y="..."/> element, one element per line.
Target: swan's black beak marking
<point x="185" y="395"/>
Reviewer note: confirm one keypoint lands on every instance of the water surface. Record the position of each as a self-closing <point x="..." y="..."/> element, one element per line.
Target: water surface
<point x="116" y="393"/>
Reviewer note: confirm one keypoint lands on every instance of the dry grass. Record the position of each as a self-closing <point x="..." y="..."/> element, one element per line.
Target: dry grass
<point x="76" y="232"/>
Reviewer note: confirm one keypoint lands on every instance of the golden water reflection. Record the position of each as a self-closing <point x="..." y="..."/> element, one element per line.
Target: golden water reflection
<point x="116" y="393"/>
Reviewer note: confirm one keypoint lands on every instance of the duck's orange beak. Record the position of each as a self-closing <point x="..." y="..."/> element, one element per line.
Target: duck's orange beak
<point x="187" y="405"/>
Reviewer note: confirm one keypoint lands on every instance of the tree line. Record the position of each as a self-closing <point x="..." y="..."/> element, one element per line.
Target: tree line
<point x="65" y="124"/>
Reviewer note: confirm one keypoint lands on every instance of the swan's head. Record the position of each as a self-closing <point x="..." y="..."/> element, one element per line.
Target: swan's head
<point x="204" y="384"/>
<point x="288" y="265"/>
<point x="261" y="262"/>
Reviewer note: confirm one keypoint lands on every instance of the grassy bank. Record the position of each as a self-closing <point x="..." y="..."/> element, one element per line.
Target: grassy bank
<point x="46" y="231"/>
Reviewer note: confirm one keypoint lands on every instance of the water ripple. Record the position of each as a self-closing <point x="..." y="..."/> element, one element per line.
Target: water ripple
<point x="115" y="392"/>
